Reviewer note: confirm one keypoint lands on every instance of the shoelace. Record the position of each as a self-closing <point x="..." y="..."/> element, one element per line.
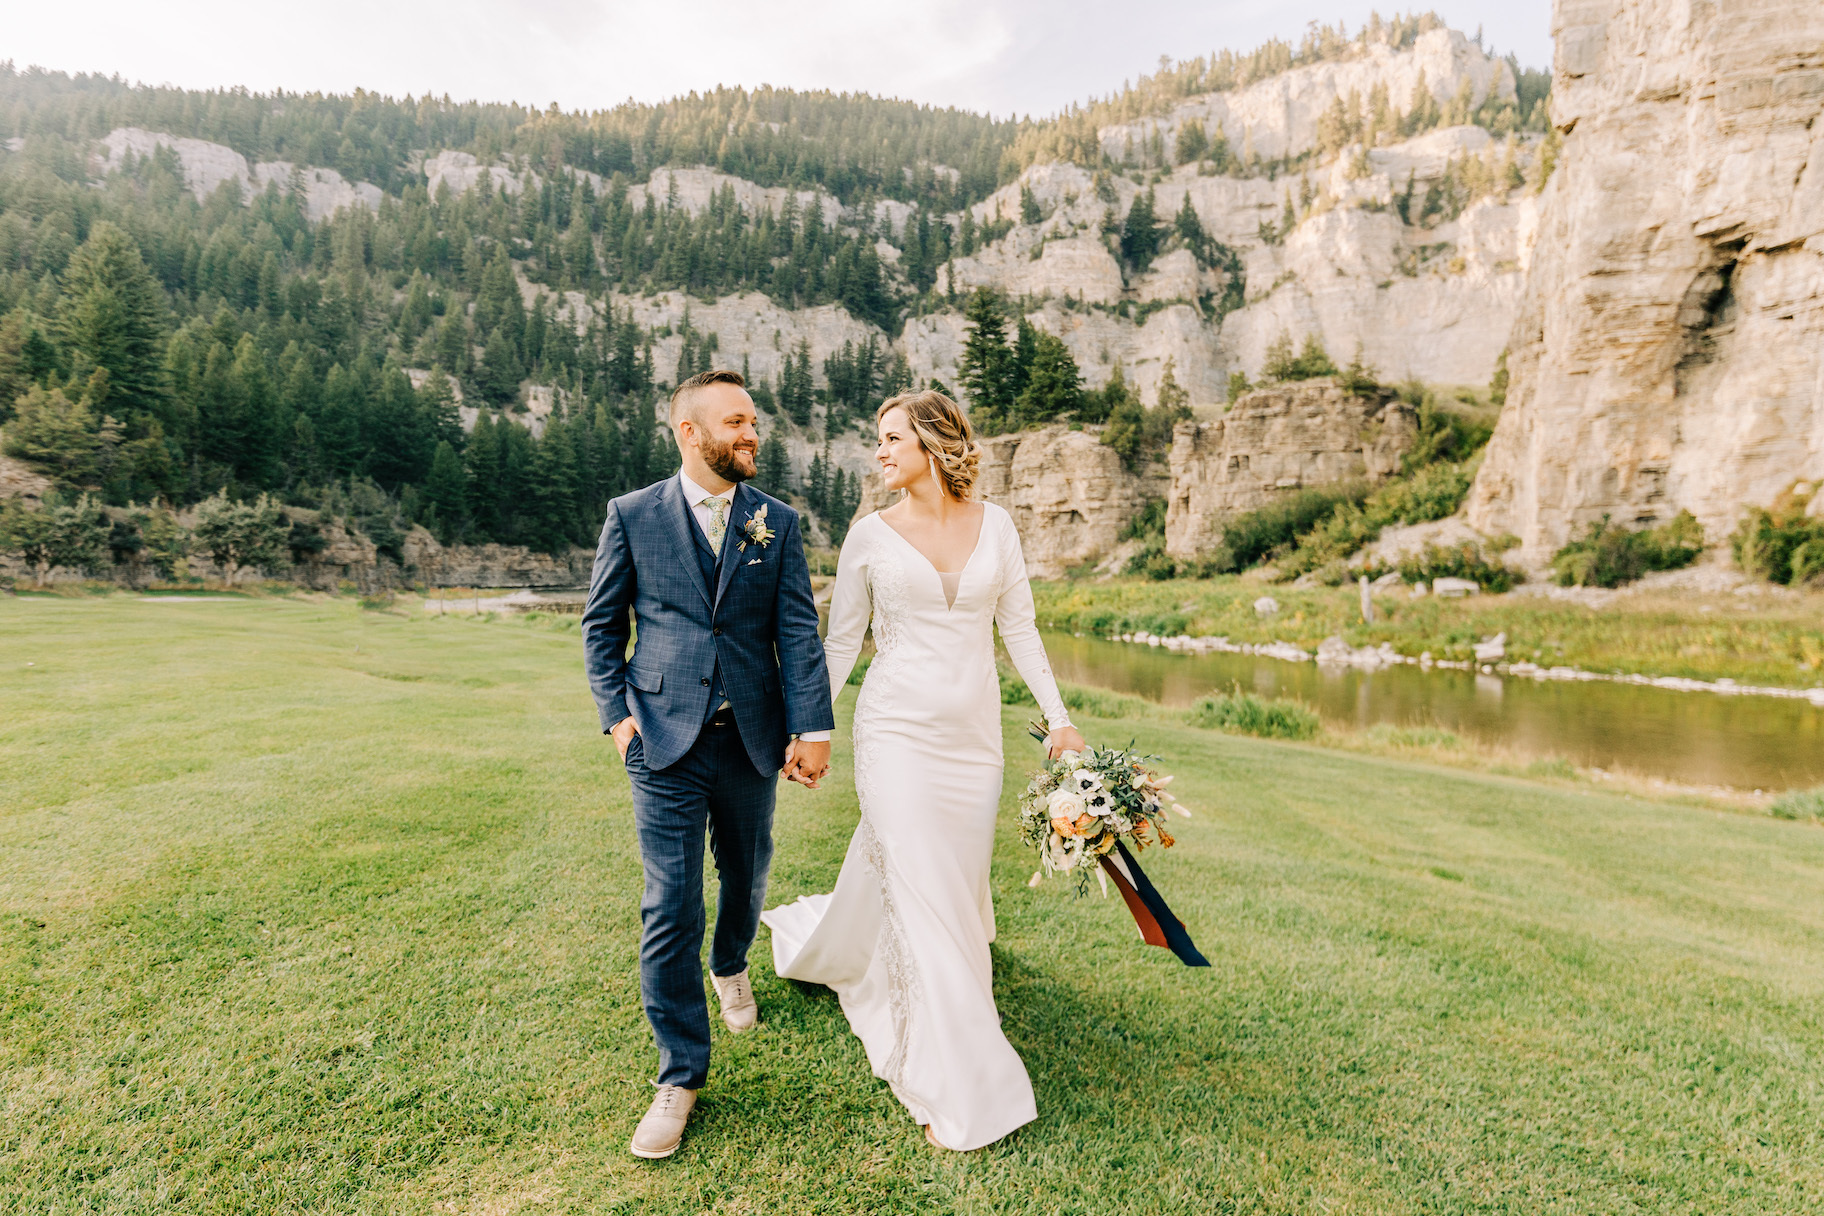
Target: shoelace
<point x="670" y="1098"/>
<point x="738" y="992"/>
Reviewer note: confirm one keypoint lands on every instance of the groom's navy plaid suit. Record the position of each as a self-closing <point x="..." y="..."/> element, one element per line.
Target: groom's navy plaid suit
<point x="740" y="626"/>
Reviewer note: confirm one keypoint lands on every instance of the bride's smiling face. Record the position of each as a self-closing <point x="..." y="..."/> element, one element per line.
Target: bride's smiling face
<point x="902" y="459"/>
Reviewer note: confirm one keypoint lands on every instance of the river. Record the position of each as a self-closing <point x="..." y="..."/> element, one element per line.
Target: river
<point x="1695" y="738"/>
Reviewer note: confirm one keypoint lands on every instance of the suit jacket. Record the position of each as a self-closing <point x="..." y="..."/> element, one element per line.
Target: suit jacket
<point x="758" y="622"/>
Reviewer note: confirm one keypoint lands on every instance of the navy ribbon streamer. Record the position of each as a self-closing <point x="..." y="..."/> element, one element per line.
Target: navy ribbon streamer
<point x="1157" y="924"/>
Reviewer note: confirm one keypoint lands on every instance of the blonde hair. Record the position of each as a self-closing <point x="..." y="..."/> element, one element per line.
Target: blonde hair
<point x="944" y="433"/>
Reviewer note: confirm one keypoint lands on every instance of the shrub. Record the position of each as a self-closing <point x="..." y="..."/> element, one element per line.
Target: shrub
<point x="1388" y="735"/>
<point x="1782" y="543"/>
<point x="1799" y="804"/>
<point x="1610" y="556"/>
<point x="1432" y="493"/>
<point x="1457" y="561"/>
<point x="1253" y="535"/>
<point x="1245" y="714"/>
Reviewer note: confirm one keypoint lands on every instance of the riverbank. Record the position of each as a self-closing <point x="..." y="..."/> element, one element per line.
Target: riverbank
<point x="344" y="903"/>
<point x="1772" y="637"/>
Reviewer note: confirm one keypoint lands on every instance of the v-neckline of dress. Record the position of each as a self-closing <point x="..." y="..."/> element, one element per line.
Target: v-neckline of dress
<point x="981" y="527"/>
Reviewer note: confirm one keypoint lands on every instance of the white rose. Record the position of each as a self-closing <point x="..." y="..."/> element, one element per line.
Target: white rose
<point x="1063" y="853"/>
<point x="1064" y="804"/>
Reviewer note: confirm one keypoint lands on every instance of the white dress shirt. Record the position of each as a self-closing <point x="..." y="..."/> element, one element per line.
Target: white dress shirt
<point x="695" y="494"/>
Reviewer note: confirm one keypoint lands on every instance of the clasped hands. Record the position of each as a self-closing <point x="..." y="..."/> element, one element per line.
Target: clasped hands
<point x="807" y="762"/>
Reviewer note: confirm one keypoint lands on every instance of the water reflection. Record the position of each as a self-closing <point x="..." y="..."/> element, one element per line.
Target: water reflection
<point x="1699" y="738"/>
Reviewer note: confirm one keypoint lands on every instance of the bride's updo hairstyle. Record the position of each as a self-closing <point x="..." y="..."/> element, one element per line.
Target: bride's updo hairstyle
<point x="944" y="433"/>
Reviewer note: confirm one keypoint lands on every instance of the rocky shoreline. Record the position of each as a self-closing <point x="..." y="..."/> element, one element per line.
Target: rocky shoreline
<point x="1335" y="651"/>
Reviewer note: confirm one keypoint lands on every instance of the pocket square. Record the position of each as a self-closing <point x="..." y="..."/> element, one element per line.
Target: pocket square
<point x="756" y="561"/>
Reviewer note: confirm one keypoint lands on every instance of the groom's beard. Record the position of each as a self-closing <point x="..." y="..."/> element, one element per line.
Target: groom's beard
<point x="729" y="461"/>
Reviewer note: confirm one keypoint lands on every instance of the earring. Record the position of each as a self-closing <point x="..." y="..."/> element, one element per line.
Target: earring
<point x="931" y="462"/>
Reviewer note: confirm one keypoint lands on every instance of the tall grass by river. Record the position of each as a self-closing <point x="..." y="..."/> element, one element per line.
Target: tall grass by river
<point x="1775" y="639"/>
<point x="305" y="909"/>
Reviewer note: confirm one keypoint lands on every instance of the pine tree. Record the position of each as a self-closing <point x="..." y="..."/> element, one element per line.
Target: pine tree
<point x="775" y="467"/>
<point x="446" y="494"/>
<point x="500" y="372"/>
<point x="987" y="364"/>
<point x="58" y="435"/>
<point x="1192" y="142"/>
<point x="482" y="461"/>
<point x="817" y="481"/>
<point x="113" y="317"/>
<point x="1029" y="208"/>
<point x="1141" y="232"/>
<point x="1054" y="386"/>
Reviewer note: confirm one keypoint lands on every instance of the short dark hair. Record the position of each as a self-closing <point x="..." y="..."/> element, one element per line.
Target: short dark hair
<point x="703" y="380"/>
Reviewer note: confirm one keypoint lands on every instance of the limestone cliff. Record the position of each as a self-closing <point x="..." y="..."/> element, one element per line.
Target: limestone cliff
<point x="206" y="166"/>
<point x="1069" y="494"/>
<point x="1669" y="351"/>
<point x="1274" y="441"/>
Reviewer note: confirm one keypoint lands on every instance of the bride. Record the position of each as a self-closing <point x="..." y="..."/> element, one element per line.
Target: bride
<point x="904" y="937"/>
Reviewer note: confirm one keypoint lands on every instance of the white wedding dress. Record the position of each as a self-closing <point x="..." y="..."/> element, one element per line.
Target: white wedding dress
<point x="904" y="937"/>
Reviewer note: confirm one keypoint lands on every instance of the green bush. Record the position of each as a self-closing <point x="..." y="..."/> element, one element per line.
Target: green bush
<point x="1782" y="543"/>
<point x="1799" y="804"/>
<point x="1610" y="556"/>
<point x="1388" y="735"/>
<point x="1434" y="492"/>
<point x="1457" y="561"/>
<point x="1243" y="713"/>
<point x="1250" y="537"/>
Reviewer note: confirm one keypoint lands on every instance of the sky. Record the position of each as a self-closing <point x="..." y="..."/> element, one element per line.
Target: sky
<point x="1007" y="57"/>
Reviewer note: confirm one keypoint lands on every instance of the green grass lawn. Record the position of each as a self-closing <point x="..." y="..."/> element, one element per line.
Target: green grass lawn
<point x="304" y="909"/>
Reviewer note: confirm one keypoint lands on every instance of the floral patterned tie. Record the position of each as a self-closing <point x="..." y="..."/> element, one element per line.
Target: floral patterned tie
<point x="718" y="522"/>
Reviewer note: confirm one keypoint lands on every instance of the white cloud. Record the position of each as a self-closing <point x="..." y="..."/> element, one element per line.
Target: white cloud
<point x="1007" y="56"/>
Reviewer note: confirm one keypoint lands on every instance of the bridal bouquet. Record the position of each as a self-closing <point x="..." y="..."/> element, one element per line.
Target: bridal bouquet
<point x="1079" y="809"/>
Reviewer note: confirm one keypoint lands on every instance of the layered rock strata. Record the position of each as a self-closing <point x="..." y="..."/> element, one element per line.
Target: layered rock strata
<point x="1273" y="442"/>
<point x="1669" y="352"/>
<point x="1069" y="494"/>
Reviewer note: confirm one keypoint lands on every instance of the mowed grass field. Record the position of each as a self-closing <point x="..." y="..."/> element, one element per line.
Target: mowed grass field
<point x="310" y="909"/>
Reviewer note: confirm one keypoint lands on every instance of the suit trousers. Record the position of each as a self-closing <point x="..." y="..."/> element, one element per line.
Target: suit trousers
<point x="714" y="786"/>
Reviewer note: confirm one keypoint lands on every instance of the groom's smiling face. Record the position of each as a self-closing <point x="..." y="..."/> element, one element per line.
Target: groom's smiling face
<point x="718" y="423"/>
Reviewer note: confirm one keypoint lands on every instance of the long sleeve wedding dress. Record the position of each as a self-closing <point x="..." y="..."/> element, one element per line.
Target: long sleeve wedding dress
<point x="904" y="938"/>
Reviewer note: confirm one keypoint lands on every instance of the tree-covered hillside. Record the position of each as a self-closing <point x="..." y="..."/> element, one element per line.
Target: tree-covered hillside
<point x="852" y="145"/>
<point x="159" y="345"/>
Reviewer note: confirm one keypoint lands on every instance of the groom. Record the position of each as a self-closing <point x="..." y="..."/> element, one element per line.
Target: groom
<point x="726" y="685"/>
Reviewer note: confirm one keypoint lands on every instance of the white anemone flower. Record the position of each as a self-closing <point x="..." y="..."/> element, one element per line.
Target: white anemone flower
<point x="1084" y="780"/>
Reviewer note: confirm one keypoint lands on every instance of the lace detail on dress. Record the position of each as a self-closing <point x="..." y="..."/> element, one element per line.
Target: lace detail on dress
<point x="887" y="589"/>
<point x="895" y="959"/>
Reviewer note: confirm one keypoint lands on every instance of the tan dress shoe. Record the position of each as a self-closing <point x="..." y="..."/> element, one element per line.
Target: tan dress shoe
<point x="739" y="1008"/>
<point x="662" y="1130"/>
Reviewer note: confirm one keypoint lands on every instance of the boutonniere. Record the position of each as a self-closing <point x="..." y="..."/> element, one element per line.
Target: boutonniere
<point x="757" y="531"/>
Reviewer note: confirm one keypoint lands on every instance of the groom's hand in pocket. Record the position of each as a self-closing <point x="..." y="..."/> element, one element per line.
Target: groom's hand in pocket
<point x="623" y="734"/>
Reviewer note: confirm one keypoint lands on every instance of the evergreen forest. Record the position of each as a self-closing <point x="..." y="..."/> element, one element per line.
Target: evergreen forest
<point x="158" y="347"/>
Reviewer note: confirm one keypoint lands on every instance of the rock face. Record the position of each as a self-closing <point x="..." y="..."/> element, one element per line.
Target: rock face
<point x="1279" y="116"/>
<point x="1069" y="494"/>
<point x="1669" y="351"/>
<point x="1275" y="441"/>
<point x="492" y="565"/>
<point x="207" y="165"/>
